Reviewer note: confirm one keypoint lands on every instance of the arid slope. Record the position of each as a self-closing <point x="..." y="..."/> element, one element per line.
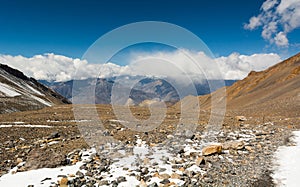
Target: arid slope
<point x="275" y="91"/>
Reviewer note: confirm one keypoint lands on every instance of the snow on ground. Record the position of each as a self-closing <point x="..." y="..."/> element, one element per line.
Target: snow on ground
<point x="26" y="125"/>
<point x="34" y="90"/>
<point x="41" y="100"/>
<point x="59" y="121"/>
<point x="141" y="153"/>
<point x="34" y="177"/>
<point x="8" y="91"/>
<point x="14" y="122"/>
<point x="287" y="161"/>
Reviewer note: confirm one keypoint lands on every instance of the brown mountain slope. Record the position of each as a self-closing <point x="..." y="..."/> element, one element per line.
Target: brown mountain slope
<point x="20" y="93"/>
<point x="275" y="91"/>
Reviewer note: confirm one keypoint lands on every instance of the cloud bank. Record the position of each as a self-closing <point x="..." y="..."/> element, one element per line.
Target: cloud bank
<point x="174" y="64"/>
<point x="277" y="19"/>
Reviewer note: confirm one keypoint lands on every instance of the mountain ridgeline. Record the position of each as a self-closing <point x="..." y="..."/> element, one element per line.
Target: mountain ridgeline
<point x="274" y="91"/>
<point x="19" y="92"/>
<point x="145" y="89"/>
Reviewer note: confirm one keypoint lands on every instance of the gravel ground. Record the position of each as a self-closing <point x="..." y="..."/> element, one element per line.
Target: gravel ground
<point x="245" y="159"/>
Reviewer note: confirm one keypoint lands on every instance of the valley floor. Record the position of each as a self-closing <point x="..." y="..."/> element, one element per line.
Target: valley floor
<point x="46" y="148"/>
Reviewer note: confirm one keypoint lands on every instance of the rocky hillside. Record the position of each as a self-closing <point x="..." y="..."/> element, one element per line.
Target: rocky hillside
<point x="274" y="91"/>
<point x="20" y="93"/>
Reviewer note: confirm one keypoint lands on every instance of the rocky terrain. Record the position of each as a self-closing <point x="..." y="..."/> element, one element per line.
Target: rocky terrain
<point x="240" y="155"/>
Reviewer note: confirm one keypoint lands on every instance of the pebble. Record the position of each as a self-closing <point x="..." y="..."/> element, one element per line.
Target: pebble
<point x="121" y="179"/>
<point x="63" y="182"/>
<point x="79" y="174"/>
<point x="165" y="181"/>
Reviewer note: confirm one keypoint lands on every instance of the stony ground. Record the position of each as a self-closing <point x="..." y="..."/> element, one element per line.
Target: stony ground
<point x="239" y="154"/>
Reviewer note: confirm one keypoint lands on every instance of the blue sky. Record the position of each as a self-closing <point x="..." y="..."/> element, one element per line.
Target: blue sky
<point x="69" y="27"/>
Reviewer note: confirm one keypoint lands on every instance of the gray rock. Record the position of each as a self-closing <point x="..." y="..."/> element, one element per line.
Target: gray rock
<point x="121" y="179"/>
<point x="165" y="181"/>
<point x="54" y="135"/>
<point x="79" y="174"/>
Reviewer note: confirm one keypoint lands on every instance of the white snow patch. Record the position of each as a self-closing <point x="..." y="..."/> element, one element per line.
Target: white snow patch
<point x="53" y="142"/>
<point x="15" y="122"/>
<point x="8" y="91"/>
<point x="287" y="161"/>
<point x="57" y="121"/>
<point x="26" y="125"/>
<point x="140" y="152"/>
<point x="34" y="177"/>
<point x="118" y="121"/>
<point x="34" y="90"/>
<point x="41" y="100"/>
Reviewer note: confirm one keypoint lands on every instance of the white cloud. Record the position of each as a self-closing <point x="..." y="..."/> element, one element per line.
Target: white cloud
<point x="281" y="39"/>
<point x="237" y="66"/>
<point x="277" y="19"/>
<point x="234" y="66"/>
<point x="254" y="22"/>
<point x="175" y="65"/>
<point x="269" y="4"/>
<point x="53" y="67"/>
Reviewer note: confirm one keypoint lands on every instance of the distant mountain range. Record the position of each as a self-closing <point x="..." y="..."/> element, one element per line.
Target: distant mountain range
<point x="146" y="89"/>
<point x="19" y="92"/>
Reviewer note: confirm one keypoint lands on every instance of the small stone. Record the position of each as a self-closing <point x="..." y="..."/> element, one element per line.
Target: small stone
<point x="53" y="135"/>
<point x="240" y="118"/>
<point x="200" y="160"/>
<point x="164" y="176"/>
<point x="144" y="171"/>
<point x="21" y="169"/>
<point x="114" y="184"/>
<point x="103" y="183"/>
<point x="249" y="148"/>
<point x="165" y="181"/>
<point x="63" y="182"/>
<point x="259" y="146"/>
<point x="62" y="176"/>
<point x="237" y="145"/>
<point x="142" y="184"/>
<point x="79" y="174"/>
<point x="208" y="180"/>
<point x="170" y="136"/>
<point x="121" y="179"/>
<point x="83" y="167"/>
<point x="146" y="161"/>
<point x="162" y="169"/>
<point x="212" y="149"/>
<point x="88" y="173"/>
<point x="155" y="174"/>
<point x="153" y="185"/>
<point x="19" y="160"/>
<point x="181" y="169"/>
<point x="45" y="179"/>
<point x="175" y="176"/>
